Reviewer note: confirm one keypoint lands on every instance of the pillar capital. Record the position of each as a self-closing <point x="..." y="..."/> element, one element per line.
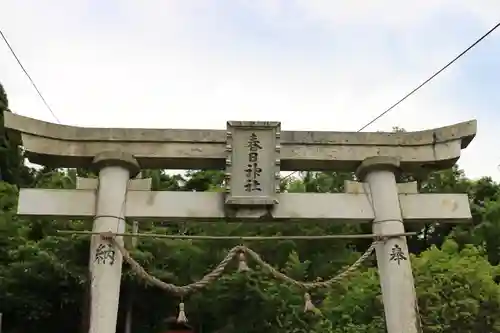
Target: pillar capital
<point x="377" y="163"/>
<point x="116" y="158"/>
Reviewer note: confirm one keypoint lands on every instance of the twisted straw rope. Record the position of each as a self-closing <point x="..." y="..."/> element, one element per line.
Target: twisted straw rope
<point x="311" y="285"/>
<point x="219" y="269"/>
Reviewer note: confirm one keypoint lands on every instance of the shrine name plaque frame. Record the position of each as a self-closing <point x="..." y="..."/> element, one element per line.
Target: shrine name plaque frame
<point x="252" y="163"/>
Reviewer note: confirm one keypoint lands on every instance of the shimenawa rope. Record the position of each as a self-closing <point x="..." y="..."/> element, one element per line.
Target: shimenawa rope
<point x="237" y="251"/>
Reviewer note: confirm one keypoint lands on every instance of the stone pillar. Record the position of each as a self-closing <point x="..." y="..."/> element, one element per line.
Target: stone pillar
<point x="115" y="170"/>
<point x="393" y="260"/>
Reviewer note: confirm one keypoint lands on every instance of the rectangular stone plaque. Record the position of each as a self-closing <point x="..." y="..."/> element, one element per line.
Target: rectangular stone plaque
<point x="253" y="162"/>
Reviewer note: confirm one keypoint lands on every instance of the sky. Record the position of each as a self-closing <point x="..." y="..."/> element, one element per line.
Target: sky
<point x="311" y="64"/>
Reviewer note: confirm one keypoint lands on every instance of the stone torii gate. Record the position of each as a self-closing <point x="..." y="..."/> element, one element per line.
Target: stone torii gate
<point x="252" y="153"/>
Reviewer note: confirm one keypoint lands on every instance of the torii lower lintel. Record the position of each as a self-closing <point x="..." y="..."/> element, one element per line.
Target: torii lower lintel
<point x="209" y="206"/>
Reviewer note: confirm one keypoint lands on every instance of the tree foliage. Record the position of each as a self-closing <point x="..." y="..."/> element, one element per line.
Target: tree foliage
<point x="12" y="168"/>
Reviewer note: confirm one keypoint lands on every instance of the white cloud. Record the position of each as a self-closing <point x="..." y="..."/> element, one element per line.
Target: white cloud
<point x="393" y="14"/>
<point x="177" y="64"/>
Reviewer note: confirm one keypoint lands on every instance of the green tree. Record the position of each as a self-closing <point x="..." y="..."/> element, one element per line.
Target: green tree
<point x="12" y="168"/>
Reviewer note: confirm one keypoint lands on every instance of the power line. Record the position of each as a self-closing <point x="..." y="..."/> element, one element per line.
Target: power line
<point x="29" y="77"/>
<point x="429" y="79"/>
<point x="422" y="84"/>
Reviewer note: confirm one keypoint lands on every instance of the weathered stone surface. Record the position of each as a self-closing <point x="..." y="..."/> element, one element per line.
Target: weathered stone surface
<point x="252" y="166"/>
<point x="393" y="259"/>
<point x="354" y="187"/>
<point x="142" y="184"/>
<point x="390" y="163"/>
<point x="116" y="158"/>
<point x="67" y="146"/>
<point x="209" y="206"/>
